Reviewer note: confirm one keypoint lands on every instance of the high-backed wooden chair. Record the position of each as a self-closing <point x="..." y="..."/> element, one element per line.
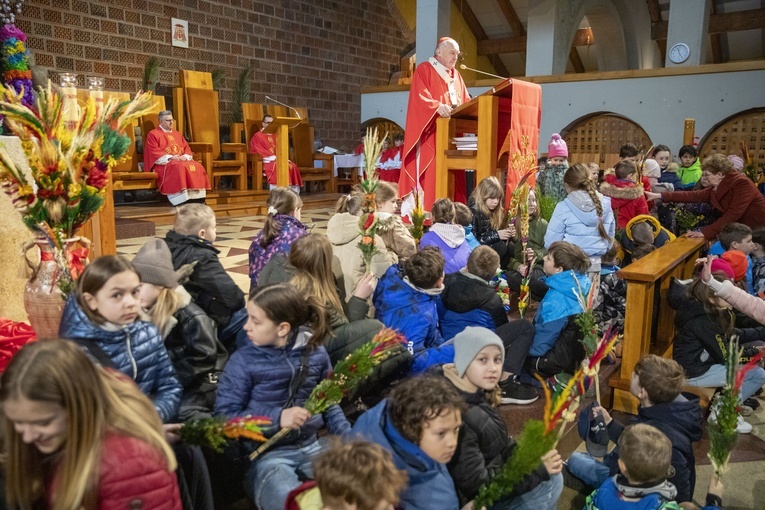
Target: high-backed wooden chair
<point x="203" y="125"/>
<point x="252" y="117"/>
<point x="305" y="157"/>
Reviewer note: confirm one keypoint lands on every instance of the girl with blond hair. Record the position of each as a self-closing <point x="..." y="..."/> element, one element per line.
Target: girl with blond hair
<point x="77" y="436"/>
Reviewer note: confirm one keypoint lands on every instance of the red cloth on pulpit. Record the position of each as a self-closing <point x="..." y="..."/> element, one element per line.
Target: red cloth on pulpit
<point x="175" y="176"/>
<point x="265" y="145"/>
<point x="525" y="119"/>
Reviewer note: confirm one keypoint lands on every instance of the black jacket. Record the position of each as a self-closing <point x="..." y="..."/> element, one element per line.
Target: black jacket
<point x="565" y="356"/>
<point x="209" y="285"/>
<point x="469" y="301"/>
<point x="482" y="229"/>
<point x="680" y="421"/>
<point x="700" y="340"/>
<point x="198" y="358"/>
<point x="484" y="446"/>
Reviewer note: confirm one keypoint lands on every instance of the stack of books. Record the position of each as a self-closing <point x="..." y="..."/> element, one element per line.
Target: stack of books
<point x="466" y="143"/>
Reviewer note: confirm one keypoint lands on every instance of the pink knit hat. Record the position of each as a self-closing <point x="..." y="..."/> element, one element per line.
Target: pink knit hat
<point x="557" y="147"/>
<point x="722" y="266"/>
<point x="737" y="162"/>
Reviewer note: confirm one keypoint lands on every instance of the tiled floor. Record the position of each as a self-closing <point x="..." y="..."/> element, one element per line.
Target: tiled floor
<point x="234" y="238"/>
<point x="745" y="481"/>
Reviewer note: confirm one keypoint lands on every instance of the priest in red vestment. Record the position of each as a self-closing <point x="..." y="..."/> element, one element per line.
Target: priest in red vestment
<point x="167" y="154"/>
<point x="265" y="145"/>
<point x="436" y="89"/>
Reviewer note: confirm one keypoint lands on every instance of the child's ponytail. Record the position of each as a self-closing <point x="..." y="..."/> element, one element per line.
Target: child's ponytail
<point x="578" y="178"/>
<point x="281" y="302"/>
<point x="349" y="204"/>
<point x="280" y="201"/>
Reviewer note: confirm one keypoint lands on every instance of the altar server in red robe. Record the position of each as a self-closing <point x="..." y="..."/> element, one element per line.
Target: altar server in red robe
<point x="436" y="89"/>
<point x="167" y="154"/>
<point x="265" y="145"/>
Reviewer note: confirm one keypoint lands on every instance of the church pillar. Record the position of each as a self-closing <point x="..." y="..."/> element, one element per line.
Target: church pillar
<point x="688" y="24"/>
<point x="548" y="36"/>
<point x="433" y="22"/>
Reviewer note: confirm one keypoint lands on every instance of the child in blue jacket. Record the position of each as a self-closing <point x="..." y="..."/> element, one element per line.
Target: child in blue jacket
<point x="273" y="376"/>
<point x="406" y="299"/>
<point x="419" y="423"/>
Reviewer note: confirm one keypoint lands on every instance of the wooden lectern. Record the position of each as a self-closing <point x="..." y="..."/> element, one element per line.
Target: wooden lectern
<point x="487" y="115"/>
<point x="280" y="127"/>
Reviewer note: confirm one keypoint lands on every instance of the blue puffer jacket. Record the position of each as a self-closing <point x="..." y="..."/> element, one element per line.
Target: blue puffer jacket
<point x="257" y="381"/>
<point x="414" y="314"/>
<point x="430" y="484"/>
<point x="559" y="303"/>
<point x="136" y="350"/>
<point x="575" y="221"/>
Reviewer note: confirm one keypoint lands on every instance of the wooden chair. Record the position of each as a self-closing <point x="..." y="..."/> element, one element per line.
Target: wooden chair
<point x="202" y="120"/>
<point x="252" y="117"/>
<point x="304" y="157"/>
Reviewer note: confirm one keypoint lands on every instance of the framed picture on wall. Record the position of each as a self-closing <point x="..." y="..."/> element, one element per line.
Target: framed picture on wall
<point x="180" y="31"/>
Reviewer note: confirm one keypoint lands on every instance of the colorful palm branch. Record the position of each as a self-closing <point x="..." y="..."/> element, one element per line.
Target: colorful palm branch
<point x="215" y="433"/>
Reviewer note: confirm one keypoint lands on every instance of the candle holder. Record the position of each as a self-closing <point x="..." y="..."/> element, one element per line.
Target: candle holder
<point x="96" y="87"/>
<point x="68" y="90"/>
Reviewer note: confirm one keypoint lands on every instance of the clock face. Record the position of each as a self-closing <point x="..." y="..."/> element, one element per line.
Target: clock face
<point x="679" y="53"/>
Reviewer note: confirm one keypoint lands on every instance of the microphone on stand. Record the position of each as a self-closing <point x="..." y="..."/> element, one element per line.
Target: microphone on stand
<point x="286" y="105"/>
<point x="464" y="67"/>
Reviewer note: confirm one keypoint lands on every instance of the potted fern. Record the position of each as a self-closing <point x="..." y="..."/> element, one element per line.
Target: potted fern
<point x="242" y="94"/>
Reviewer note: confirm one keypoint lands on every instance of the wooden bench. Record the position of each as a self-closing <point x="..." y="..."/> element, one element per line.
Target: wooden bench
<point x="654" y="271"/>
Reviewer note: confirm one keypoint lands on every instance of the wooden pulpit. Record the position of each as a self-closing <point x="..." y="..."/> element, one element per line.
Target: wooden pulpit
<point x="280" y="127"/>
<point x="488" y="116"/>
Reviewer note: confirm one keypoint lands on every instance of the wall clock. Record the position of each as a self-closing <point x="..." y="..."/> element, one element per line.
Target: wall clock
<point x="679" y="53"/>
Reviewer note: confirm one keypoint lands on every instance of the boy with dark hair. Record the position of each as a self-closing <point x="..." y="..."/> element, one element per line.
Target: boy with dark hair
<point x="646" y="454"/>
<point x="627" y="198"/>
<point x="690" y="166"/>
<point x="406" y="299"/>
<point x="629" y="152"/>
<point x="419" y="424"/>
<point x="351" y="476"/>
<point x="211" y="287"/>
<point x="656" y="383"/>
<point x="468" y="299"/>
<point x="736" y="236"/>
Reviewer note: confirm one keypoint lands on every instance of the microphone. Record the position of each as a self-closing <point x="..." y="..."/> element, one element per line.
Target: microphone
<point x="285" y="105"/>
<point x="463" y="66"/>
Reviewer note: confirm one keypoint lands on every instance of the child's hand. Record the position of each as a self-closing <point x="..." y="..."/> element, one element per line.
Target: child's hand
<point x="522" y="269"/>
<point x="366" y="286"/>
<point x="553" y="462"/>
<point x="716" y="486"/>
<point x="504" y="234"/>
<point x="606" y="417"/>
<point x="293" y="418"/>
<point x="468" y="506"/>
<point x="530" y="254"/>
<point x="170" y="430"/>
<point x="706" y="269"/>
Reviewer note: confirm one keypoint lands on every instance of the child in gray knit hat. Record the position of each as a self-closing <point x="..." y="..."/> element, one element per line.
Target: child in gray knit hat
<point x="484" y="444"/>
<point x="189" y="334"/>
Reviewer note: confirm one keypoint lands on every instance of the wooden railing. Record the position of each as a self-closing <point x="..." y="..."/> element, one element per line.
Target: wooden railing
<point x="644" y="277"/>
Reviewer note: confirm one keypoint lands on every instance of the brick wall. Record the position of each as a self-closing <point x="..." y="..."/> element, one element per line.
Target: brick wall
<point x="306" y="53"/>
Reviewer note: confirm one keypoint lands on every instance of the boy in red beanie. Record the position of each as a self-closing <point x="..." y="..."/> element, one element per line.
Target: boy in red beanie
<point x="739" y="263"/>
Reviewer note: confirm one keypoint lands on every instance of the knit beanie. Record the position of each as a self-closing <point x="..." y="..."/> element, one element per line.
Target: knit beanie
<point x="738" y="262"/>
<point x="469" y="343"/>
<point x="737" y="162"/>
<point x="154" y="264"/>
<point x="722" y="266"/>
<point x="557" y="147"/>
